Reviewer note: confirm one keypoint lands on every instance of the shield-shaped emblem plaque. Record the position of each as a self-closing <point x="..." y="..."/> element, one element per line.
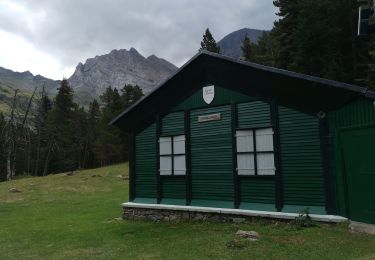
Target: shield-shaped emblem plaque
<point x="208" y="94"/>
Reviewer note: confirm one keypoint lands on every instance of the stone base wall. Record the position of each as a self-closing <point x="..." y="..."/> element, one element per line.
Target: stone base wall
<point x="177" y="215"/>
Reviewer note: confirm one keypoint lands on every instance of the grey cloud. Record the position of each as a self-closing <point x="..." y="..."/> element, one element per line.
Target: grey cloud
<point x="74" y="30"/>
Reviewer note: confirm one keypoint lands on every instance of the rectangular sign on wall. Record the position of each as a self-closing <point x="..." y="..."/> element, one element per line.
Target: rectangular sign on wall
<point x="207" y="118"/>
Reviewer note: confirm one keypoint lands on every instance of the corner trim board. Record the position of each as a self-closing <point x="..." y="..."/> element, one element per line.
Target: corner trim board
<point x="326" y="155"/>
<point x="188" y="156"/>
<point x="279" y="200"/>
<point x="158" y="179"/>
<point x="236" y="180"/>
<point x="132" y="161"/>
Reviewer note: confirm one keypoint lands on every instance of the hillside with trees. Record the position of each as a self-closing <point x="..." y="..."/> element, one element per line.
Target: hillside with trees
<point x="59" y="135"/>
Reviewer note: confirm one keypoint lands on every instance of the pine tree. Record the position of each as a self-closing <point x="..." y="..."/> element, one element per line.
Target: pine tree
<point x="117" y="105"/>
<point x="107" y="96"/>
<point x="130" y="94"/>
<point x="208" y="43"/>
<point x="246" y="48"/>
<point x="64" y="100"/>
<point x="94" y="112"/>
<point x="44" y="105"/>
<point x="62" y="149"/>
<point x="109" y="146"/>
<point x="266" y="50"/>
<point x="317" y="38"/>
<point x="80" y="138"/>
<point x="93" y="131"/>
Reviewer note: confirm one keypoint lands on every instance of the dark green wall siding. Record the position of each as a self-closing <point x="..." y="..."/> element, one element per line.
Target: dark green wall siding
<point x="173" y="188"/>
<point x="145" y="164"/>
<point x="222" y="96"/>
<point x="301" y="164"/>
<point x="253" y="114"/>
<point x="211" y="156"/>
<point x="358" y="113"/>
<point x="172" y="124"/>
<point x="358" y="152"/>
<point x="258" y="190"/>
<point x="255" y="190"/>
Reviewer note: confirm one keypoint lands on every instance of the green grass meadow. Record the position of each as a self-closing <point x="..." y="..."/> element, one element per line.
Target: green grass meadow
<point x="78" y="217"/>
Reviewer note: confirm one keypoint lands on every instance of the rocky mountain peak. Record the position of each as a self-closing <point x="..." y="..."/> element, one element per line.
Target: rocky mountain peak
<point x="117" y="68"/>
<point x="133" y="51"/>
<point x="27" y="73"/>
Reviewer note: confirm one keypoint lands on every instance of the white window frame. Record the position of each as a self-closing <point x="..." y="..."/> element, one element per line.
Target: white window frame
<point x="255" y="153"/>
<point x="172" y="170"/>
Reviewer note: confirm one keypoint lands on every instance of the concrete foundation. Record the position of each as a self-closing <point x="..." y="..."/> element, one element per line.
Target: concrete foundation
<point x="161" y="212"/>
<point x="362" y="227"/>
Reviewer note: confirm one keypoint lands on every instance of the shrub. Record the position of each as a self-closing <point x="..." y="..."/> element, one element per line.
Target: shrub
<point x="303" y="220"/>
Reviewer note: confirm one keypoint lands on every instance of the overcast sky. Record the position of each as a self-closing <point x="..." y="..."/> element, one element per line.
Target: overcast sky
<point x="50" y="37"/>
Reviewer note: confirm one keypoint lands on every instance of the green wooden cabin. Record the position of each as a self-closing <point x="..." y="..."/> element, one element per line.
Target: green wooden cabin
<point x="225" y="133"/>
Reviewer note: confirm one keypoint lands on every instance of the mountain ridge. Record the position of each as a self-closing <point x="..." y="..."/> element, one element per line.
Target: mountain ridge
<point x="27" y="81"/>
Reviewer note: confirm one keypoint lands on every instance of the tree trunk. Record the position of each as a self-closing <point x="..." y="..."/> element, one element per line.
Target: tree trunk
<point x="21" y="133"/>
<point x="46" y="163"/>
<point x="36" y="170"/>
<point x="11" y="135"/>
<point x="29" y="154"/>
<point x="40" y="117"/>
<point x="9" y="168"/>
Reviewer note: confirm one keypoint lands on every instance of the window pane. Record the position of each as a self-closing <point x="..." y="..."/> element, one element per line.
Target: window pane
<point x="165" y="145"/>
<point x="245" y="164"/>
<point x="266" y="164"/>
<point x="165" y="165"/>
<point x="179" y="144"/>
<point x="264" y="139"/>
<point x="179" y="165"/>
<point x="245" y="141"/>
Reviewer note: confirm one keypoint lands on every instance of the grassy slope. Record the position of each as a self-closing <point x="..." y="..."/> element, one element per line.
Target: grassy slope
<point x="74" y="217"/>
<point x="6" y="98"/>
<point x="83" y="98"/>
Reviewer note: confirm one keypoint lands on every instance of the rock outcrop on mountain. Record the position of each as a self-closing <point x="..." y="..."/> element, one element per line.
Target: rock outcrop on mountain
<point x="118" y="68"/>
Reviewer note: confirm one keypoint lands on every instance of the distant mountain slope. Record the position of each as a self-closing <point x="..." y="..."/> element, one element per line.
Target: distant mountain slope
<point x="118" y="68"/>
<point x="27" y="81"/>
<point x="7" y="97"/>
<point x="230" y="45"/>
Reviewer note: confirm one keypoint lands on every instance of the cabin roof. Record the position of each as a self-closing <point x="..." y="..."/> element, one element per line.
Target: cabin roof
<point x="305" y="93"/>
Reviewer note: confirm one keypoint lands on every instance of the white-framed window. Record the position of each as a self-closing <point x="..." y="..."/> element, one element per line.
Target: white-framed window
<point x="255" y="152"/>
<point x="172" y="155"/>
